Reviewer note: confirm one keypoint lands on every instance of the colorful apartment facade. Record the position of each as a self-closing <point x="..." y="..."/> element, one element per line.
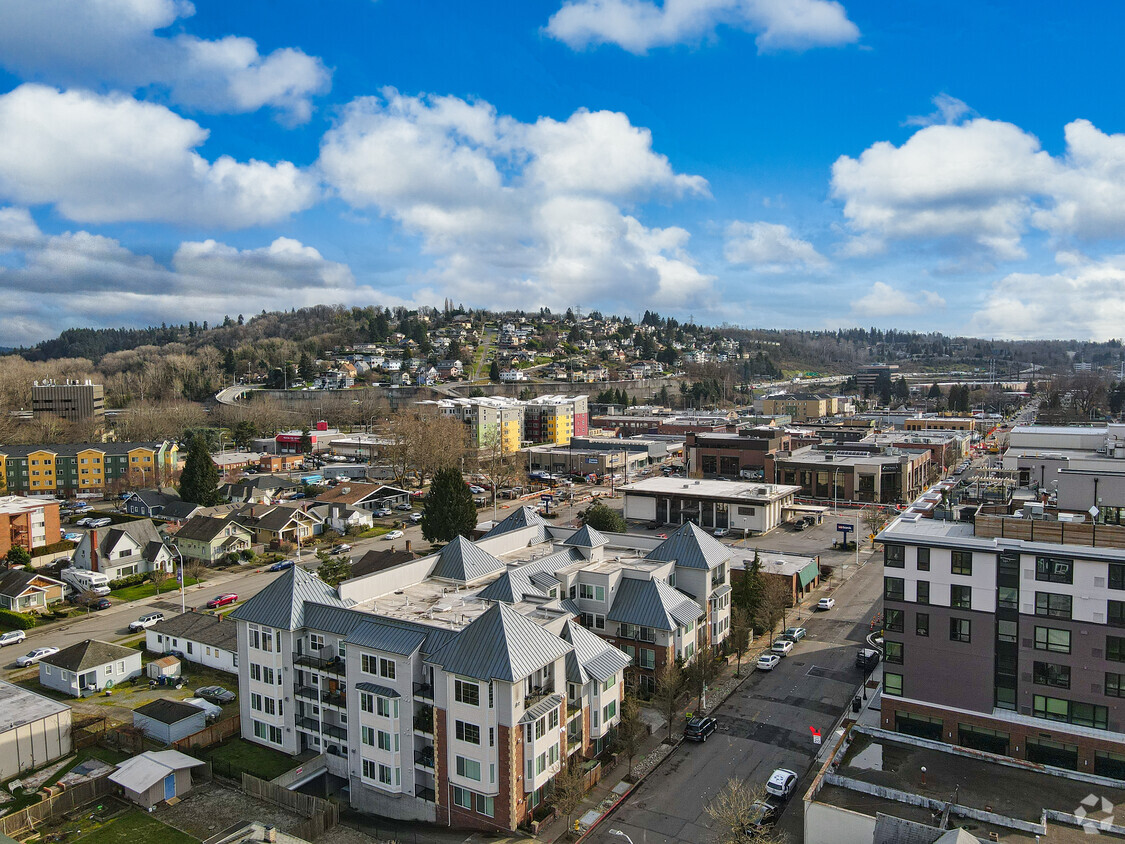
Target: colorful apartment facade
<point x="27" y="523"/>
<point x="67" y="470"/>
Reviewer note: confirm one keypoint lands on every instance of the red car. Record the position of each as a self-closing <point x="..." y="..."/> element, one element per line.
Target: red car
<point x="222" y="600"/>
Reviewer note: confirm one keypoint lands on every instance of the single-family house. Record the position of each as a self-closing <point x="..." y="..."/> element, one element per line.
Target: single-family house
<point x="197" y="637"/>
<point x="124" y="549"/>
<point x="339" y="517"/>
<point x="260" y="490"/>
<point x="155" y="504"/>
<point x="362" y="496"/>
<point x="155" y="775"/>
<point x="274" y="524"/>
<point x="28" y="591"/>
<point x="209" y="538"/>
<point x="168" y="721"/>
<point x="88" y="667"/>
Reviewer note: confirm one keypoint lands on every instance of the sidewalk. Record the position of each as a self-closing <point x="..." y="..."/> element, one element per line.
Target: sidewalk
<point x="604" y="797"/>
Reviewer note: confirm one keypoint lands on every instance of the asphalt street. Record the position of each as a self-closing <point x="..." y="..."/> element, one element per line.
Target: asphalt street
<point x="764" y="725"/>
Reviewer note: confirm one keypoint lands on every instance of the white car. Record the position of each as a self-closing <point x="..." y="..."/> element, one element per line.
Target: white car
<point x="12" y="637"/>
<point x="767" y="662"/>
<point x="394" y="534"/>
<point x="720" y="532"/>
<point x="826" y="603"/>
<point x="782" y="647"/>
<point x="415" y="517"/>
<point x="34" y="656"/>
<point x="782" y="783"/>
<point x="85" y="521"/>
<point x="100" y="523"/>
<point x="145" y="621"/>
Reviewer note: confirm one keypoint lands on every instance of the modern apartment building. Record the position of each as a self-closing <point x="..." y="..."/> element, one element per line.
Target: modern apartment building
<point x="453" y="687"/>
<point x="72" y="400"/>
<point x="67" y="470"/>
<point x="547" y="419"/>
<point x="1009" y="637"/>
<point x="555" y="419"/>
<point x="801" y="407"/>
<point x="27" y="523"/>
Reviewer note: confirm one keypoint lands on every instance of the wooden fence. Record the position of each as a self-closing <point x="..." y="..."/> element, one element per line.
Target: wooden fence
<point x="212" y="735"/>
<point x="322" y="815"/>
<point x="65" y="801"/>
<point x="1044" y="530"/>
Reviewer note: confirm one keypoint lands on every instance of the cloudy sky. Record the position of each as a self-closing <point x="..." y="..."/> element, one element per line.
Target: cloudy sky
<point x="953" y="166"/>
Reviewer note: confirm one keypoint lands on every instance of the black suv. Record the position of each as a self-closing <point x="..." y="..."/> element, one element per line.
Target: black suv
<point x="698" y="729"/>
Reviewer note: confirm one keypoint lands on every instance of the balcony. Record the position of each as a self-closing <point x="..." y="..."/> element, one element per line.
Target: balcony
<point x="426" y="794"/>
<point x="424" y="721"/>
<point x="424" y="758"/>
<point x="328" y="698"/>
<point x="331" y="665"/>
<point x="313" y="726"/>
<point x="423" y="691"/>
<point x="537" y="693"/>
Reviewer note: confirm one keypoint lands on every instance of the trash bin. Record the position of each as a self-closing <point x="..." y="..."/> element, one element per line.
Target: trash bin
<point x="857" y="703"/>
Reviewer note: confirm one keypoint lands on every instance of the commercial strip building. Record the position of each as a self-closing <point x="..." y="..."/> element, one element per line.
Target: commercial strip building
<point x="730" y="454"/>
<point x="967" y="424"/>
<point x="743" y="508"/>
<point x="860" y="471"/>
<point x="27" y="523"/>
<point x="453" y="687"/>
<point x="320" y="437"/>
<point x="72" y="400"/>
<point x="69" y="470"/>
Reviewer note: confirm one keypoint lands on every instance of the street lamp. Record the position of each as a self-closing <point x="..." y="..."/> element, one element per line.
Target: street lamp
<point x="180" y="557"/>
<point x="622" y="834"/>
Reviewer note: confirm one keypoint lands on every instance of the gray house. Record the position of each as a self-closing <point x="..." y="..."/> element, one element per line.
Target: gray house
<point x="154" y="776"/>
<point x="89" y="667"/>
<point x="169" y="721"/>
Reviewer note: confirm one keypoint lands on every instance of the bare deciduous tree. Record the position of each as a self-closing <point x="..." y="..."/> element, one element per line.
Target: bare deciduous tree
<point x="774" y="600"/>
<point x="669" y="684"/>
<point x="732" y="809"/>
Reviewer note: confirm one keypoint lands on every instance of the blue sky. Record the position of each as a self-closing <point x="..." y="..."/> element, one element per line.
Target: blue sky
<point x="778" y="163"/>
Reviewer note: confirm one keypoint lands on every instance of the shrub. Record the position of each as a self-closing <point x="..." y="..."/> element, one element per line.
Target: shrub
<point x="16" y="620"/>
<point x="129" y="580"/>
<point x="246" y="554"/>
<point x="53" y="548"/>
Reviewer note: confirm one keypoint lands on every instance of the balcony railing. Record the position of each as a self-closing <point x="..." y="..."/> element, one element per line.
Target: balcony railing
<point x="331" y="665"/>
<point x="425" y="793"/>
<point x="327" y="697"/>
<point x="423" y="691"/>
<point x="537" y="693"/>
<point x="425" y="758"/>
<point x="314" y="726"/>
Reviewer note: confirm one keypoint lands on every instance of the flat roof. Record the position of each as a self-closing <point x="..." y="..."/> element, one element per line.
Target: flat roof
<point x="1021" y="792"/>
<point x="836" y="458"/>
<point x="18" y="707"/>
<point x="745" y="490"/>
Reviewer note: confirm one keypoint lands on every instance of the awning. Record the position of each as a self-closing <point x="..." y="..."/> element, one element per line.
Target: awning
<point x="808" y="574"/>
<point x="382" y="691"/>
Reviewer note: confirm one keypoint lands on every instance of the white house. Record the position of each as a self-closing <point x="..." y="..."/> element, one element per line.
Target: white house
<point x="124" y="549"/>
<point x="89" y="667"/>
<point x="197" y="637"/>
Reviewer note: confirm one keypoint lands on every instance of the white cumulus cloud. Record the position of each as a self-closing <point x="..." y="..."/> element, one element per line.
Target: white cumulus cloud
<point x="640" y="25"/>
<point x="101" y="159"/>
<point x="82" y="279"/>
<point x="883" y="300"/>
<point x="533" y="213"/>
<point x="770" y="248"/>
<point x="94" y="42"/>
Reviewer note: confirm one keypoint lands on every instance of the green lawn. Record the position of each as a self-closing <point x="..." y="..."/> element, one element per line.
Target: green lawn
<point x="147" y="590"/>
<point x="134" y="827"/>
<point x="237" y="755"/>
<point x="372" y="532"/>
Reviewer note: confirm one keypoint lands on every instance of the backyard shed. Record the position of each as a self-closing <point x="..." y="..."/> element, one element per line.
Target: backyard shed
<point x="166" y="666"/>
<point x="155" y="776"/>
<point x="167" y="721"/>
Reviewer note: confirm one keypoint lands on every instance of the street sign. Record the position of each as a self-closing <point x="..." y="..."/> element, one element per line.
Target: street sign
<point x="843" y="527"/>
<point x="592" y="460"/>
<point x="546" y="499"/>
<point x="815" y="735"/>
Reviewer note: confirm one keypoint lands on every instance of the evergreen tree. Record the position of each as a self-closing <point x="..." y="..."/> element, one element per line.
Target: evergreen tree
<point x="199" y="481"/>
<point x="306" y="441"/>
<point x="600" y="517"/>
<point x="229" y="363"/>
<point x="935" y="391"/>
<point x="494" y="371"/>
<point x="305" y="366"/>
<point x="448" y="510"/>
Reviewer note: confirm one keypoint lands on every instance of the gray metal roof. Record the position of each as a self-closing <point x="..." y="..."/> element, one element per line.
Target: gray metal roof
<point x="534" y="713"/>
<point x="343" y="621"/>
<point x="586" y="537"/>
<point x="462" y="560"/>
<point x="691" y="547"/>
<point x="500" y="644"/>
<point x="652" y="603"/>
<point x="282" y="603"/>
<point x="530" y="578"/>
<point x="521" y="518"/>
<point x="384" y="637"/>
<point x="374" y="688"/>
<point x="597" y="657"/>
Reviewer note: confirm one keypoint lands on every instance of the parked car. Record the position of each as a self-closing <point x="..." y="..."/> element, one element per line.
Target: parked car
<point x="762" y="814"/>
<point x="781" y="647"/>
<point x="145" y="621"/>
<point x="222" y="600"/>
<point x="721" y="531"/>
<point x="417" y="495"/>
<point x="100" y="523"/>
<point x="404" y="507"/>
<point x="782" y="783"/>
<point x="216" y="694"/>
<point x="785" y="637"/>
<point x="826" y="603"/>
<point x="796" y="633"/>
<point x="767" y="662"/>
<point x="12" y="637"/>
<point x="101" y="604"/>
<point x="85" y="521"/>
<point x="799" y="524"/>
<point x="394" y="534"/>
<point x="32" y="657"/>
<point x="698" y="729"/>
<point x="383" y="511"/>
<point x="72" y="537"/>
<point x="867" y="658"/>
<point x="281" y="565"/>
<point x="415" y="517"/>
<point x="342" y="548"/>
<point x="475" y="490"/>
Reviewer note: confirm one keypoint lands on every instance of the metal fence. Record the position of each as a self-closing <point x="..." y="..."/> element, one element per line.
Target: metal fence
<point x="58" y="804"/>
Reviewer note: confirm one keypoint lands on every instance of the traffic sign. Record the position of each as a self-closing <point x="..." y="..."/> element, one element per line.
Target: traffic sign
<point x="546" y="499"/>
<point x="844" y="527"/>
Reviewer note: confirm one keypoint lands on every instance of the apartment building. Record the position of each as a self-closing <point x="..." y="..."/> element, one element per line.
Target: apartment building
<point x="68" y="470"/>
<point x="27" y="523"/>
<point x="555" y="419"/>
<point x="547" y="419"/>
<point x="1028" y="614"/>
<point x="800" y="407"/>
<point x="73" y="400"/>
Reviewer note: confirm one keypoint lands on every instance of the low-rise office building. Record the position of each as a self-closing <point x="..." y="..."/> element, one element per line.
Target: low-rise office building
<point x="732" y="454"/>
<point x="741" y="507"/>
<point x="859" y="471"/>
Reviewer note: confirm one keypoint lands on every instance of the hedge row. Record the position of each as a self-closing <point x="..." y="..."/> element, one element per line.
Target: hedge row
<point x="16" y="620"/>
<point x="129" y="580"/>
<point x="53" y="548"/>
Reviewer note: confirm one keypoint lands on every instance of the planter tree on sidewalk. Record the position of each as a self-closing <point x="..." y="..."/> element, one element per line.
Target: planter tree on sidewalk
<point x="701" y="671"/>
<point x="669" y="684"/>
<point x="732" y="810"/>
<point x="568" y="789"/>
<point x="741" y="626"/>
<point x="630" y="730"/>
<point x="774" y="600"/>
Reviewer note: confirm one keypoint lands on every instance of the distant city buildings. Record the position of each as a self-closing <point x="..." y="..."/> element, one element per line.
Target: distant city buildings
<point x="74" y="401"/>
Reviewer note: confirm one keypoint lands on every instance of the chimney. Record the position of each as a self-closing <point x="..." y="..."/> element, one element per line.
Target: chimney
<point x="94" y="550"/>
